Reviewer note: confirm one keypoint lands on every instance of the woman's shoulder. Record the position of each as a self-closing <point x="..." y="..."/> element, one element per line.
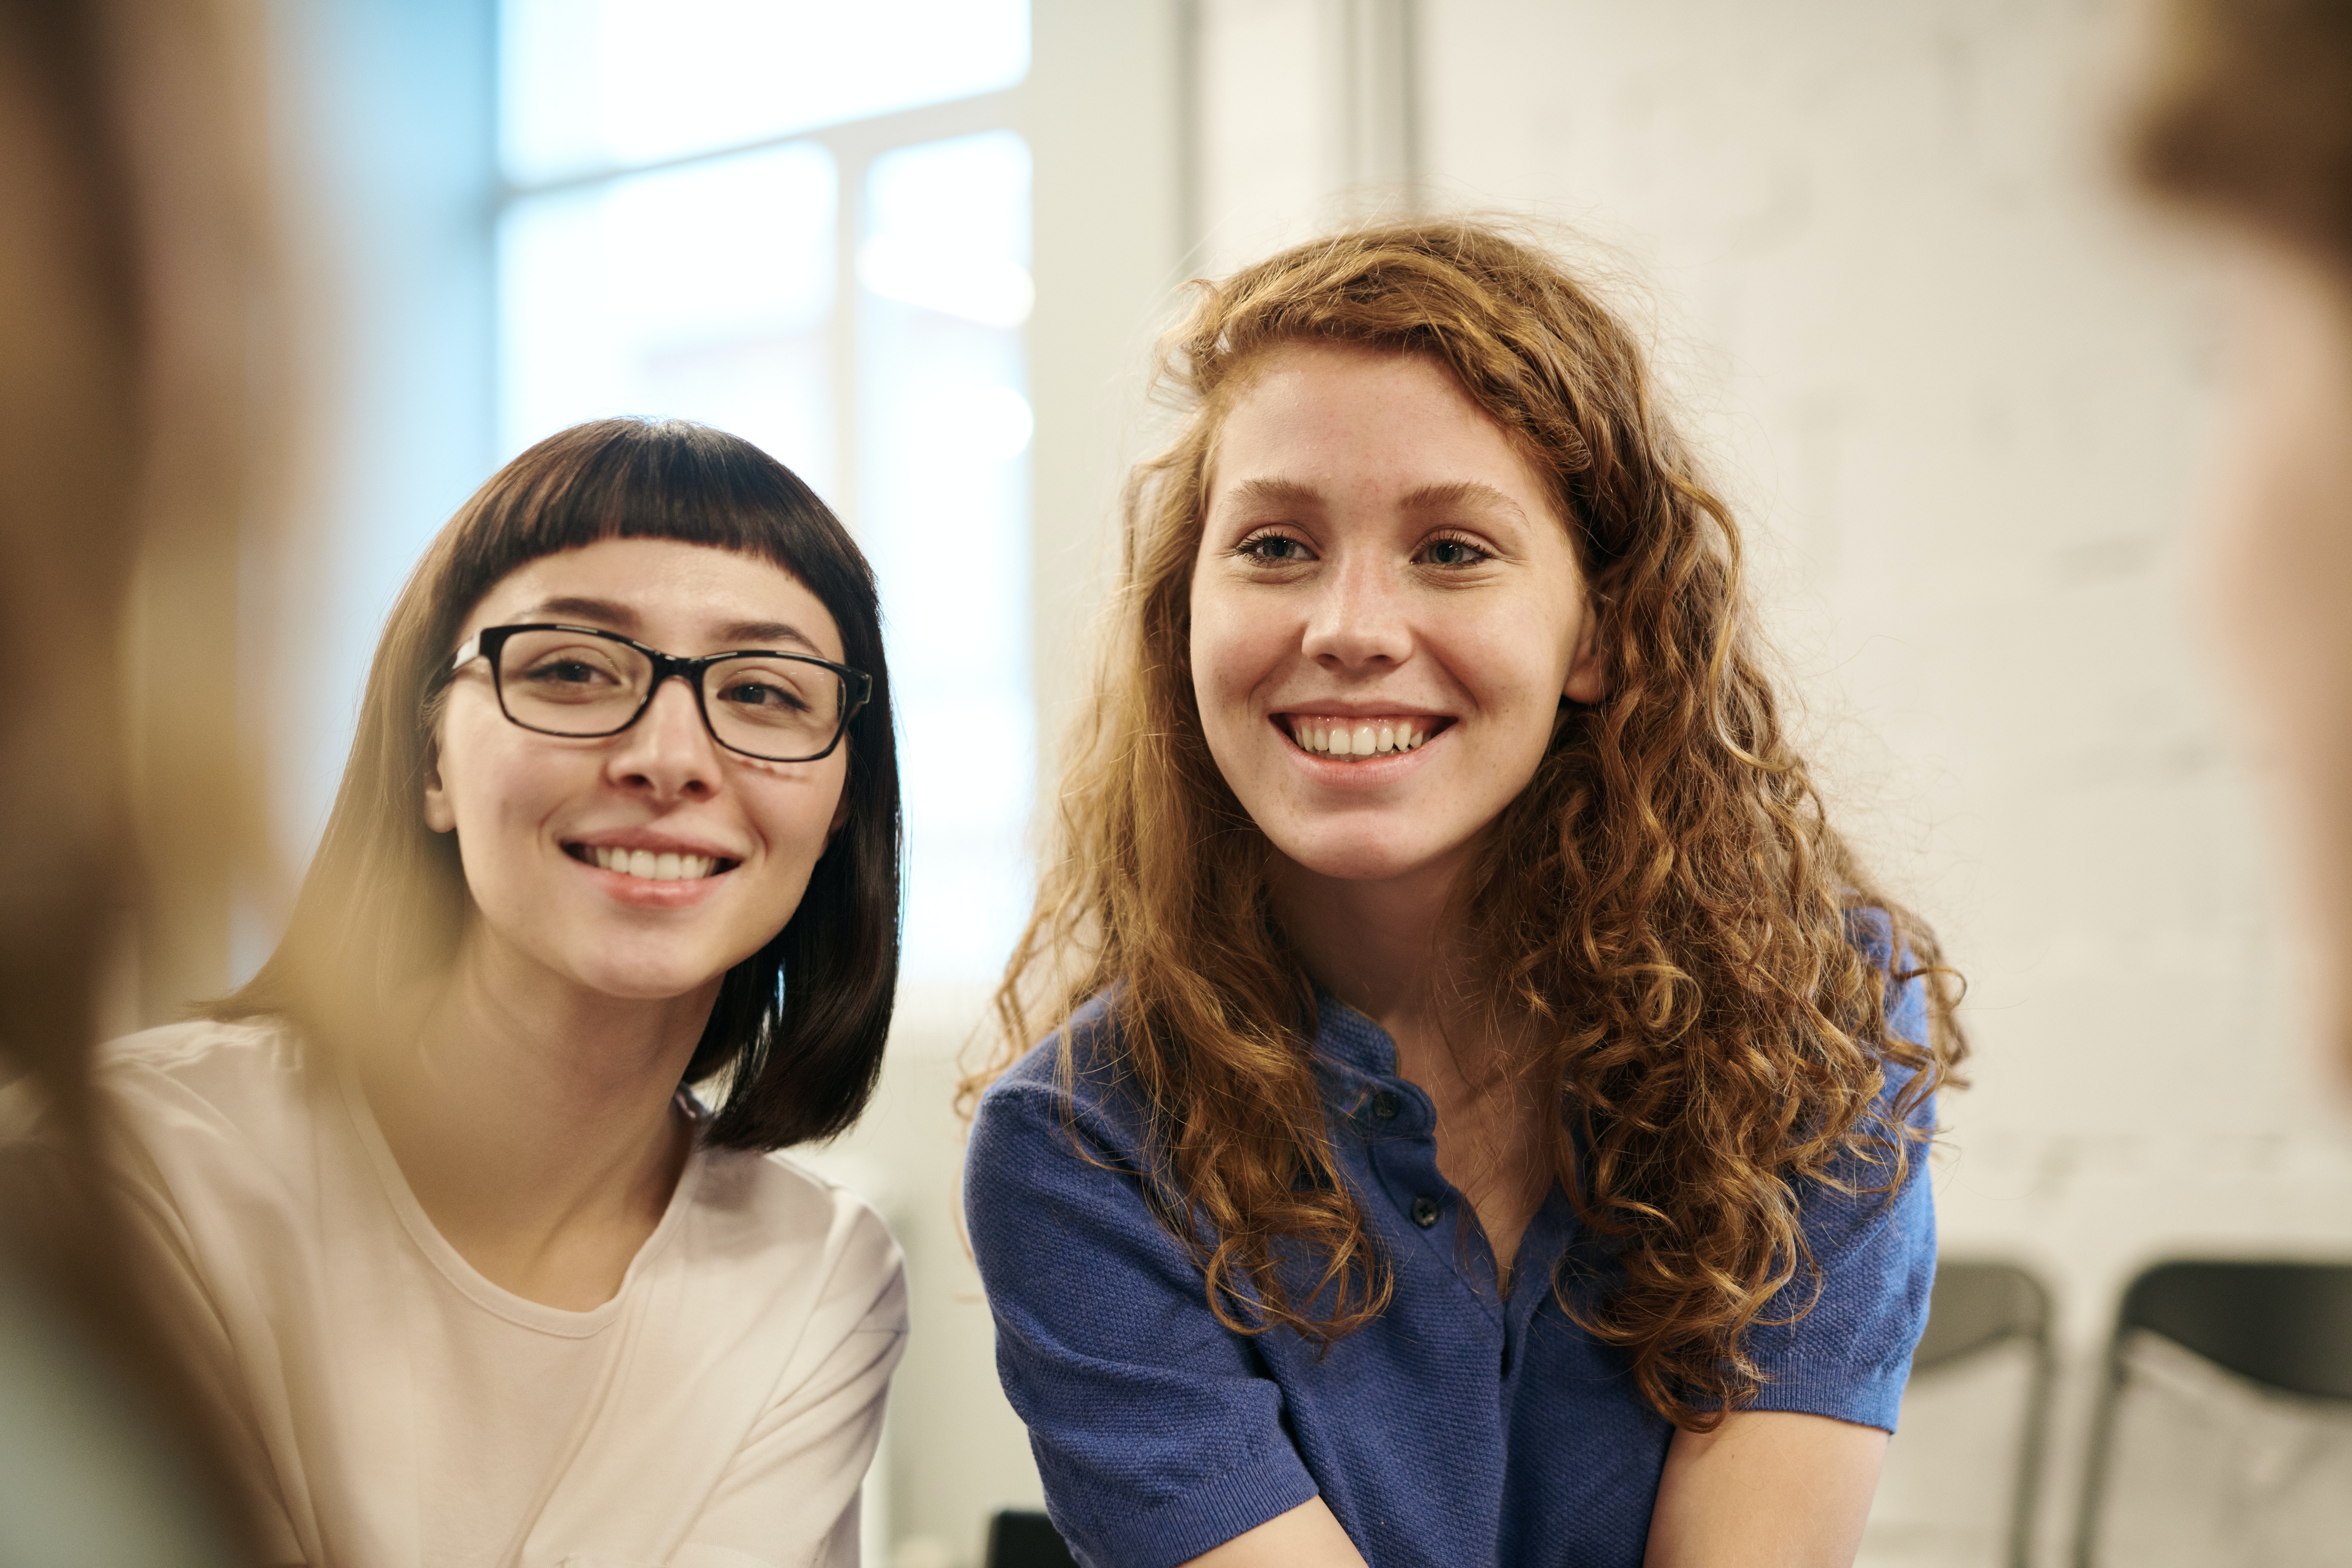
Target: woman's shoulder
<point x="1872" y="930"/>
<point x="1075" y="1072"/>
<point x="772" y="1215"/>
<point x="1061" y="1117"/>
<point x="1082" y="1055"/>
<point x="250" y="1072"/>
<point x="223" y="1117"/>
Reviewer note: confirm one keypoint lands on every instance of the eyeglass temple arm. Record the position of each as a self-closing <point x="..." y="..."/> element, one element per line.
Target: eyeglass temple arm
<point x="466" y="651"/>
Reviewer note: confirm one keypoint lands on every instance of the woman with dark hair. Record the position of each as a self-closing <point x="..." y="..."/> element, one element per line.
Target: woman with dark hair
<point x="1482" y="1116"/>
<point x="468" y="1196"/>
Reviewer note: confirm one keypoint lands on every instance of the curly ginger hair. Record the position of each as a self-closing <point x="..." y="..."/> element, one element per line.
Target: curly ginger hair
<point x="1664" y="905"/>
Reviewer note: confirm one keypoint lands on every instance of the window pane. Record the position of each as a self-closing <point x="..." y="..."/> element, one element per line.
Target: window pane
<point x="596" y="84"/>
<point x="697" y="293"/>
<point x="942" y="270"/>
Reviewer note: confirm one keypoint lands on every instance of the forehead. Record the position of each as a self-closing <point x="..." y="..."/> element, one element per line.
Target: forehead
<point x="1336" y="414"/>
<point x="677" y="596"/>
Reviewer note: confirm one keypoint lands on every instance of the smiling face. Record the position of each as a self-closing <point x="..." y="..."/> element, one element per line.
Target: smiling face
<point x="643" y="864"/>
<point x="1386" y="613"/>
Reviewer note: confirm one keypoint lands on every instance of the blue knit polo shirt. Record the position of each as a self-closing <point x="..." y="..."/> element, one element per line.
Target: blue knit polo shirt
<point x="1462" y="1427"/>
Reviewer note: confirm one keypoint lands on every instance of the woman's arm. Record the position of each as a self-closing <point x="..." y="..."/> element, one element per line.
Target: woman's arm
<point x="1156" y="1429"/>
<point x="1768" y="1488"/>
<point x="1306" y="1537"/>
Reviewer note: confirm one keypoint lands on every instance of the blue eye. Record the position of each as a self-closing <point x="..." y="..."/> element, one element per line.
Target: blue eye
<point x="1454" y="552"/>
<point x="1273" y="548"/>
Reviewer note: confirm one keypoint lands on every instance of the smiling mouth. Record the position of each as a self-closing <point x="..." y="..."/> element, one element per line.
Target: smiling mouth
<point x="650" y="865"/>
<point x="1353" y="737"/>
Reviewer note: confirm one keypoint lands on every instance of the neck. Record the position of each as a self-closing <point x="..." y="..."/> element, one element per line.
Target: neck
<point x="1389" y="949"/>
<point x="533" y="1120"/>
<point x="1397" y="952"/>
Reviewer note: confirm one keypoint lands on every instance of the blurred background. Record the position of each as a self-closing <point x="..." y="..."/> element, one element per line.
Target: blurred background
<point x="1953" y="378"/>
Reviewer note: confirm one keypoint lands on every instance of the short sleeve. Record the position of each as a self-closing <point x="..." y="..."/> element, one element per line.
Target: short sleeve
<point x="1849" y="1355"/>
<point x="1156" y="1431"/>
<point x="790" y="1493"/>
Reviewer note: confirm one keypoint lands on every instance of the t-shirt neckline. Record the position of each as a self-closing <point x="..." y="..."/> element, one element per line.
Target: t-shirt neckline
<point x="463" y="1276"/>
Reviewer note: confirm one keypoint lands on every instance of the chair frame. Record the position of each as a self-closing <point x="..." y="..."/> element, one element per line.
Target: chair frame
<point x="2027" y="1319"/>
<point x="2100" y="1456"/>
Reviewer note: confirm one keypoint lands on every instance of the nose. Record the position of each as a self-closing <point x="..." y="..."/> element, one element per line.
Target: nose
<point x="1357" y="619"/>
<point x="668" y="751"/>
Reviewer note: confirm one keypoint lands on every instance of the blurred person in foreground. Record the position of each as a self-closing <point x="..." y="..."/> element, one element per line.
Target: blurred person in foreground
<point x="2249" y="122"/>
<point x="130" y="237"/>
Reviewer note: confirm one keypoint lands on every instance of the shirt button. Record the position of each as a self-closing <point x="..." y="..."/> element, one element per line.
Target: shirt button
<point x="1424" y="1212"/>
<point x="1385" y="1105"/>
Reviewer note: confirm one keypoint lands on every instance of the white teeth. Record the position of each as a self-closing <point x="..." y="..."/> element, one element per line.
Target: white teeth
<point x="667" y="867"/>
<point x="1376" y="738"/>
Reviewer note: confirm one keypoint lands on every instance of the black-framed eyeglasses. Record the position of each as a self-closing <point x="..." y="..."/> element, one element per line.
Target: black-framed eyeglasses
<point x="584" y="683"/>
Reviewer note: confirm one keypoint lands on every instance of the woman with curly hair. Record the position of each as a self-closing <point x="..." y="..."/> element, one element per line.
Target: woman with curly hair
<point x="1481" y="1113"/>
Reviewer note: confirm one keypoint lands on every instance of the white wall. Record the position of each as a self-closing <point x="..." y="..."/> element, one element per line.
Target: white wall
<point x="1955" y="383"/>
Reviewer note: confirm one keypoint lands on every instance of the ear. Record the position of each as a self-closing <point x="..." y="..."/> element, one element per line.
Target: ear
<point x="439" y="815"/>
<point x="840" y="811"/>
<point x="1583" y="684"/>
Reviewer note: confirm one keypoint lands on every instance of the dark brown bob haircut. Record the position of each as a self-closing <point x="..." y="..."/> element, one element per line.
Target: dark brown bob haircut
<point x="796" y="1035"/>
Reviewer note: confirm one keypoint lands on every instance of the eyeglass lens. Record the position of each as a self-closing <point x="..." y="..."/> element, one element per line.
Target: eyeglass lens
<point x="566" y="684"/>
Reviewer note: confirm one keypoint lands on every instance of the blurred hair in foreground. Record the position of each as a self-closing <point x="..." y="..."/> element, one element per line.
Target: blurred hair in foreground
<point x="130" y="265"/>
<point x="2250" y="114"/>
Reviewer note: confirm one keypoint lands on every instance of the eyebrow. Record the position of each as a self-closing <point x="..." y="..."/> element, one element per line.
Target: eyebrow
<point x="1276" y="492"/>
<point x="749" y="633"/>
<point x="621" y="617"/>
<point x="1463" y="493"/>
<point x="1450" y="497"/>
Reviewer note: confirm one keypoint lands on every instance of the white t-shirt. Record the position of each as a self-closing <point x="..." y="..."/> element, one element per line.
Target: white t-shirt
<point x="397" y="1410"/>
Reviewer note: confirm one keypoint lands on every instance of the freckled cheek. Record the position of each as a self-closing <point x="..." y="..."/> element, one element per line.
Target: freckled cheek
<point x="1233" y="655"/>
<point x="1505" y="675"/>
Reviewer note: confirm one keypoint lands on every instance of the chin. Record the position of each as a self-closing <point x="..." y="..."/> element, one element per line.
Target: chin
<point x="649" y="982"/>
<point x="1360" y="858"/>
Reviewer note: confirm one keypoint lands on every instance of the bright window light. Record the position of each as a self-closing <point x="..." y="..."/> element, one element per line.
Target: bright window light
<point x="594" y="85"/>
<point x="943" y="272"/>
<point x="697" y="293"/>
